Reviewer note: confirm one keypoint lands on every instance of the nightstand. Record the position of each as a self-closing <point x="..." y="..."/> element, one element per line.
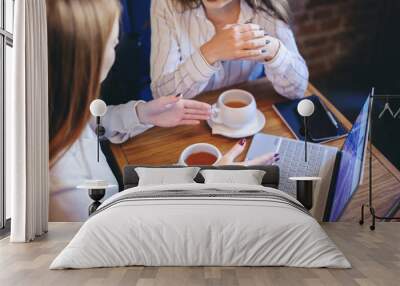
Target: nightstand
<point x="96" y="190"/>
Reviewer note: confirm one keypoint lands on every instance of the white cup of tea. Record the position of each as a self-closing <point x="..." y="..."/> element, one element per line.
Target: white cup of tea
<point x="200" y="154"/>
<point x="235" y="109"/>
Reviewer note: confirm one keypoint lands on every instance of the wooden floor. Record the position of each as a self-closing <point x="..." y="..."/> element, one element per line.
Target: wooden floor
<point x="375" y="257"/>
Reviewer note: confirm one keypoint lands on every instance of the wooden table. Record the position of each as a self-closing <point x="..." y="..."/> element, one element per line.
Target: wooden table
<point x="164" y="145"/>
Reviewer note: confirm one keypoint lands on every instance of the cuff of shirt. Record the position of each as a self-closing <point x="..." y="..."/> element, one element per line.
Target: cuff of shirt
<point x="200" y="69"/>
<point x="279" y="62"/>
<point x="122" y="122"/>
<point x="135" y="118"/>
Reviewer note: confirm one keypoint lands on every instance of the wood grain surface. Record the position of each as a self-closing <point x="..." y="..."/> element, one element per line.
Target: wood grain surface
<point x="164" y="145"/>
<point x="375" y="258"/>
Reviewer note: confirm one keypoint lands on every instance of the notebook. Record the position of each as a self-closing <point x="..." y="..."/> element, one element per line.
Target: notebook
<point x="323" y="125"/>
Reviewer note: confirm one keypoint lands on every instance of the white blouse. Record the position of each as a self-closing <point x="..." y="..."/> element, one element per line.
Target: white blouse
<point x="177" y="65"/>
<point x="79" y="163"/>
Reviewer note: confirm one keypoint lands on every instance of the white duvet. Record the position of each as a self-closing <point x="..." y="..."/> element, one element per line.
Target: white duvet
<point x="204" y="231"/>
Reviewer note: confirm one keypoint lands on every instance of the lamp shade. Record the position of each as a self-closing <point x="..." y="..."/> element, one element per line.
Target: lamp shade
<point x="98" y="108"/>
<point x="305" y="107"/>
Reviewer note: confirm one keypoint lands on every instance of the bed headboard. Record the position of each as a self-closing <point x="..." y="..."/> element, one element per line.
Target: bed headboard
<point x="270" y="179"/>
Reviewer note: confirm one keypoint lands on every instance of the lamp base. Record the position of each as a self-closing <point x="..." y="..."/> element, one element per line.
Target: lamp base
<point x="304" y="193"/>
<point x="304" y="190"/>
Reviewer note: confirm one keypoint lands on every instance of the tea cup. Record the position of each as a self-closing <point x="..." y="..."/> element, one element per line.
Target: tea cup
<point x="235" y="109"/>
<point x="199" y="149"/>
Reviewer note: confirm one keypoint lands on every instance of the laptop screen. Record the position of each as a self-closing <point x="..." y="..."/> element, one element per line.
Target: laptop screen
<point x="351" y="163"/>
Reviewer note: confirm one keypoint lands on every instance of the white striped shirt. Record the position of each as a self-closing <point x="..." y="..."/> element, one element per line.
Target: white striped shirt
<point x="177" y="65"/>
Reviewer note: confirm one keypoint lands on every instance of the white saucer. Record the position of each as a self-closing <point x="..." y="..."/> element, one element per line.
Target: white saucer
<point x="249" y="130"/>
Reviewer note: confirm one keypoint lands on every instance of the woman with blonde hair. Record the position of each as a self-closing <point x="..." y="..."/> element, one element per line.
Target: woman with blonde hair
<point x="82" y="35"/>
<point x="200" y="45"/>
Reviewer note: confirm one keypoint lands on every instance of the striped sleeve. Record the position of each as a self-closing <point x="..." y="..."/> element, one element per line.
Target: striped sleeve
<point x="169" y="74"/>
<point x="288" y="71"/>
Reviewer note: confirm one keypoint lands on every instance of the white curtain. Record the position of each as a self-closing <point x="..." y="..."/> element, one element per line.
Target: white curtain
<point x="27" y="124"/>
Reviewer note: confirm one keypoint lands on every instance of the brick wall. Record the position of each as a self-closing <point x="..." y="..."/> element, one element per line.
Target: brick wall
<point x="335" y="35"/>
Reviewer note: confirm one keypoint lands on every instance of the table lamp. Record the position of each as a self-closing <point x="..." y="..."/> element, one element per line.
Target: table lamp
<point x="305" y="108"/>
<point x="97" y="188"/>
<point x="98" y="108"/>
<point x="304" y="192"/>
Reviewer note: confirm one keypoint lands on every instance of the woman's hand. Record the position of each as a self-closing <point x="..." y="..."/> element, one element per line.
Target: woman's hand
<point x="231" y="155"/>
<point x="170" y="111"/>
<point x="269" y="50"/>
<point x="234" y="42"/>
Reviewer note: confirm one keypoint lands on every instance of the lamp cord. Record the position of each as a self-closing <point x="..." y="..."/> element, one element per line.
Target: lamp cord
<point x="98" y="137"/>
<point x="305" y="138"/>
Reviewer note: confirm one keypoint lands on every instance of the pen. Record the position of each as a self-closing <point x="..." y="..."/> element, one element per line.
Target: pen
<point x="333" y="120"/>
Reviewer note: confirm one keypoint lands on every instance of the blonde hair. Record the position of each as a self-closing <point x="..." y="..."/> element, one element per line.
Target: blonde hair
<point x="78" y="31"/>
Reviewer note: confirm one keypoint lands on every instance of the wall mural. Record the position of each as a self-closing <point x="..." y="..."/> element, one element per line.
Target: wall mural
<point x="159" y="86"/>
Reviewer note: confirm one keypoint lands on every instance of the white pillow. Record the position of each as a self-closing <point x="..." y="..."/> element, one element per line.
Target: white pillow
<point x="166" y="176"/>
<point x="247" y="177"/>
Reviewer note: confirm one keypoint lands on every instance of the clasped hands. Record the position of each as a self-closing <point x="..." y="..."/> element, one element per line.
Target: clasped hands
<point x="240" y="42"/>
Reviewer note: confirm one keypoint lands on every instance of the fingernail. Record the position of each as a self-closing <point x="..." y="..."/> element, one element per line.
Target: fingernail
<point x="263" y="51"/>
<point x="277" y="159"/>
<point x="178" y="95"/>
<point x="267" y="42"/>
<point x="265" y="34"/>
<point x="242" y="141"/>
<point x="276" y="155"/>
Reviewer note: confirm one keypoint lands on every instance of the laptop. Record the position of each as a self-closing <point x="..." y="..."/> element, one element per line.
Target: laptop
<point x="341" y="170"/>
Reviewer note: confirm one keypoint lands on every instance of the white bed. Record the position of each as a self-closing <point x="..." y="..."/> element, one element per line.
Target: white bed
<point x="225" y="225"/>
